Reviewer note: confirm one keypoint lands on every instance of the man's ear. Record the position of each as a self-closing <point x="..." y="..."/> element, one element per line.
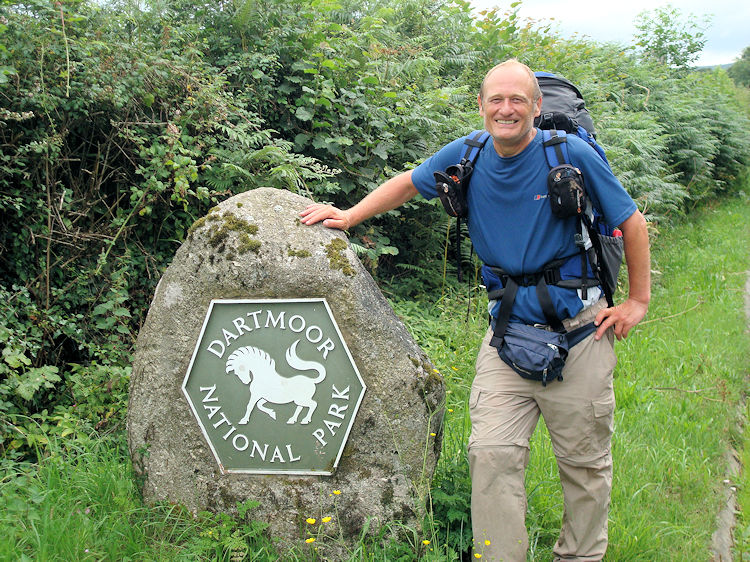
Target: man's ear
<point x="479" y="101"/>
<point x="538" y="108"/>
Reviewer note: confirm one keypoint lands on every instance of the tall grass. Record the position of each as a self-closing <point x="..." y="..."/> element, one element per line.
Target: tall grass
<point x="679" y="382"/>
<point x="81" y="502"/>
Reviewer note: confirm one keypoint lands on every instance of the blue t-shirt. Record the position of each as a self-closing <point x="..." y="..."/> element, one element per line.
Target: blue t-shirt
<point x="510" y="222"/>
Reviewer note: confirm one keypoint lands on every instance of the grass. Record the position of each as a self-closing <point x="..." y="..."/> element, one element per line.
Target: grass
<point x="81" y="503"/>
<point x="679" y="383"/>
<point x="679" y="387"/>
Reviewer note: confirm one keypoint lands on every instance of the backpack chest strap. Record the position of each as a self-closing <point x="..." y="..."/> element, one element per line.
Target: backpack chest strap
<point x="551" y="273"/>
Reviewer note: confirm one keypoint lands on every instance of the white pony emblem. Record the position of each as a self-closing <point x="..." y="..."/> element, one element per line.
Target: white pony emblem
<point x="255" y="367"/>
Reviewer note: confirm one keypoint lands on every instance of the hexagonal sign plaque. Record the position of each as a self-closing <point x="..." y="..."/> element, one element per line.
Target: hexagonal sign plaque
<point x="273" y="386"/>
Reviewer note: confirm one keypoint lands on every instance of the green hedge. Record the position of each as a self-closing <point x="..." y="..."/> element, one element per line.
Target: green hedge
<point x="121" y="126"/>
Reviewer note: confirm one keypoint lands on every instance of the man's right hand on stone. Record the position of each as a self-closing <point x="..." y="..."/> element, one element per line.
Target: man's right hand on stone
<point x="331" y="216"/>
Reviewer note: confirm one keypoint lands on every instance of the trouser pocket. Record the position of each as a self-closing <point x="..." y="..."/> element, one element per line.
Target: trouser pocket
<point x="581" y="431"/>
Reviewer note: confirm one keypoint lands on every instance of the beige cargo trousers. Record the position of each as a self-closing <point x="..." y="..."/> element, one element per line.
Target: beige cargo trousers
<point x="578" y="412"/>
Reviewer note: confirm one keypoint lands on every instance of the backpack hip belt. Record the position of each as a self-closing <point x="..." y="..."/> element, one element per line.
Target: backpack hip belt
<point x="549" y="275"/>
<point x="531" y="351"/>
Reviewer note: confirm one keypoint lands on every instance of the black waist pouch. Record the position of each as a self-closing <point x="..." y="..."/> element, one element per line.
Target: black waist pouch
<point x="538" y="354"/>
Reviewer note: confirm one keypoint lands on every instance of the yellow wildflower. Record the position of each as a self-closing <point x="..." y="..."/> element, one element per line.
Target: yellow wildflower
<point x="477" y="555"/>
<point x="326" y="519"/>
<point x="310" y="540"/>
<point x="425" y="542"/>
<point x="337" y="492"/>
<point x="433" y="434"/>
<point x="310" y="520"/>
<point x="488" y="543"/>
<point x="450" y="410"/>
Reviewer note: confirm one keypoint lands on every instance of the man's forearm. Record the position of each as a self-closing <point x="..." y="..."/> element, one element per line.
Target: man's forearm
<point x="391" y="194"/>
<point x="637" y="257"/>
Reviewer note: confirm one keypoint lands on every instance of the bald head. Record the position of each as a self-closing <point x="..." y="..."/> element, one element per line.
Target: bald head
<point x="514" y="64"/>
<point x="508" y="103"/>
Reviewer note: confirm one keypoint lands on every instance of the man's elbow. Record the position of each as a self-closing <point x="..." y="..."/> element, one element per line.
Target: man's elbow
<point x="634" y="223"/>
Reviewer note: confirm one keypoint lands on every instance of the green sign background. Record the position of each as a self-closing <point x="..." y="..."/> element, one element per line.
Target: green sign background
<point x="219" y="399"/>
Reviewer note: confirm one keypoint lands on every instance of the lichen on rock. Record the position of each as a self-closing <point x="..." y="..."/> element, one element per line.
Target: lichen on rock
<point x="336" y="257"/>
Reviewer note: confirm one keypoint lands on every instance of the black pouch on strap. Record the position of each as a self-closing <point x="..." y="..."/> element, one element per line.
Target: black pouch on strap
<point x="451" y="188"/>
<point x="566" y="195"/>
<point x="453" y="183"/>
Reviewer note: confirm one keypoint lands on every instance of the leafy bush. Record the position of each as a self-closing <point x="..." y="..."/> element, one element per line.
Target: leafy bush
<point x="121" y="124"/>
<point x="116" y="137"/>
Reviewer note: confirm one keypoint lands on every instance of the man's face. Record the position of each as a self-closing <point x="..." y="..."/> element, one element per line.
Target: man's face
<point x="508" y="109"/>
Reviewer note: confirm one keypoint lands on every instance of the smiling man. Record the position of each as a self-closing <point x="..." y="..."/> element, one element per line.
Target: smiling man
<point x="513" y="230"/>
<point x="509" y="99"/>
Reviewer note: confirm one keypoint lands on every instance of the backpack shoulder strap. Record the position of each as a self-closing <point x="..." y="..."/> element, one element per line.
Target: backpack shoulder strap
<point x="474" y="143"/>
<point x="591" y="140"/>
<point x="555" y="147"/>
<point x="463" y="170"/>
<point x="556" y="152"/>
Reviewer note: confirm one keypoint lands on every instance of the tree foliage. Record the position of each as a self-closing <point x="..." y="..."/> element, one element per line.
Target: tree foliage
<point x="667" y="37"/>
<point x="740" y="70"/>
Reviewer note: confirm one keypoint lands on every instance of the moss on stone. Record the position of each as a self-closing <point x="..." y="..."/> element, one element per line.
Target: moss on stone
<point x="230" y="223"/>
<point x="237" y="224"/>
<point x="433" y="388"/>
<point x="196" y="225"/>
<point x="298" y="253"/>
<point x="217" y="237"/>
<point x="337" y="259"/>
<point x="386" y="497"/>
<point x="201" y="222"/>
<point x="247" y="244"/>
